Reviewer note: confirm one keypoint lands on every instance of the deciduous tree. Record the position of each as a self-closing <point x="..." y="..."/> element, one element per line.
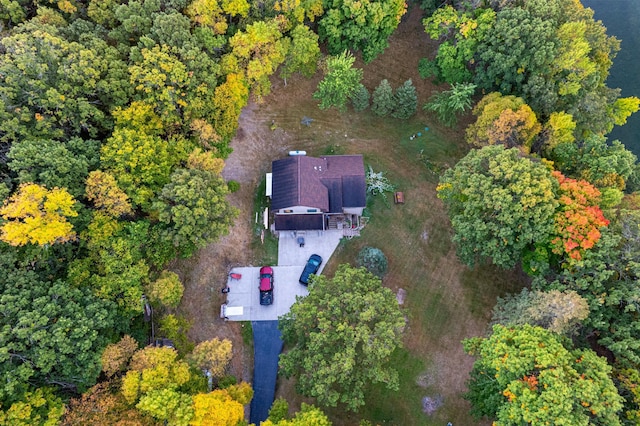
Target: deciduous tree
<point x="116" y="356"/>
<point x="166" y="290"/>
<point x="505" y="120"/>
<point x="212" y="355"/>
<point x="579" y="218"/>
<point x="216" y="408"/>
<point x="51" y="333"/>
<point x="340" y="82"/>
<point x="37" y="215"/>
<point x="526" y="375"/>
<point x="364" y="25"/>
<point x="303" y="54"/>
<point x="53" y="163"/>
<point x="102" y="189"/>
<point x="193" y="209"/>
<point x="260" y="49"/>
<point x="556" y="311"/>
<point x="38" y="407"/>
<point x="338" y="341"/>
<point x="500" y="205"/>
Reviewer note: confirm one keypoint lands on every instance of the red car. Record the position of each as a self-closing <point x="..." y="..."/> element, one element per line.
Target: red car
<point x="266" y="285"/>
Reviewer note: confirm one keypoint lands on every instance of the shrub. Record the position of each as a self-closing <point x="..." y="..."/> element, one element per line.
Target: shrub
<point x="374" y="260"/>
<point x="233" y="185"/>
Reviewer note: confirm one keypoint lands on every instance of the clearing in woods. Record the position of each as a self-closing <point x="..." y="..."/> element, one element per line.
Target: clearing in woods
<point x="446" y="302"/>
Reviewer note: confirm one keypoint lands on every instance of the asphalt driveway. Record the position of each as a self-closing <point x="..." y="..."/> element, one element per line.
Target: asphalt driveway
<point x="267" y="345"/>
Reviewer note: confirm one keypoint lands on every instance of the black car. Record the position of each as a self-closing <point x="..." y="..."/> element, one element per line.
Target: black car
<point x="266" y="285"/>
<point x="311" y="267"/>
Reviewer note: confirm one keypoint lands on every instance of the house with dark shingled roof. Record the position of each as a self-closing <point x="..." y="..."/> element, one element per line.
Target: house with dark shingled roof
<point x="309" y="193"/>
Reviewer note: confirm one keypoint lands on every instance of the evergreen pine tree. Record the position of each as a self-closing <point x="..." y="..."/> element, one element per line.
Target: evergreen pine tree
<point x="382" y="99"/>
<point x="360" y="98"/>
<point x="406" y="101"/>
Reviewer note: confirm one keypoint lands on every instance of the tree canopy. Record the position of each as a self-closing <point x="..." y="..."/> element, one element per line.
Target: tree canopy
<point x="526" y="374"/>
<point x="500" y="205"/>
<point x="338" y="341"/>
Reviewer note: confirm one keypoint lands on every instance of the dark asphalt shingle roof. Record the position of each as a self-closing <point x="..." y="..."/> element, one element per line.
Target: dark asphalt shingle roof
<point x="327" y="183"/>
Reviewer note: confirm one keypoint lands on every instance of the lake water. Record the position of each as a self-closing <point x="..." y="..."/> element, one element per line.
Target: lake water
<point x="622" y="19"/>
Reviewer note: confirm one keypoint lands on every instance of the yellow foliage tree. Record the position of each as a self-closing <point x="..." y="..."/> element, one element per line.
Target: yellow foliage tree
<point x="37" y="215"/>
<point x="230" y="97"/>
<point x="102" y="189"/>
<point x="212" y="355"/>
<point x="153" y="369"/>
<point x="216" y="408"/>
<point x="559" y="129"/>
<point x="504" y="120"/>
<point x="205" y="161"/>
<point x="167" y="290"/>
<point x="514" y="128"/>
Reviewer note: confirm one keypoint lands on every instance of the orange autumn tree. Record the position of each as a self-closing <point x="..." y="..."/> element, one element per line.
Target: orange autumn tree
<point x="37" y="215"/>
<point x="579" y="218"/>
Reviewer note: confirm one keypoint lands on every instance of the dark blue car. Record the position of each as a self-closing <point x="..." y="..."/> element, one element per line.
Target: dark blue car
<point x="311" y="267"/>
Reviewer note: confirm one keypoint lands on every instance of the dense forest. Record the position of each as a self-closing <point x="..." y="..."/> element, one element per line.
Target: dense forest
<point x="116" y="119"/>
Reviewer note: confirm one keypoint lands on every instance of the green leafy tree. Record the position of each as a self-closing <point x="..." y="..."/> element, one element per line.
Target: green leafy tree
<point x="169" y="405"/>
<point x="363" y="26"/>
<point x="560" y="312"/>
<point x="528" y="375"/>
<point x="140" y="162"/>
<point x="405" y="101"/>
<point x="460" y="33"/>
<point x="448" y="104"/>
<point x="67" y="84"/>
<point x="338" y="341"/>
<point x="360" y="98"/>
<point x="303" y="54"/>
<point x="116" y="268"/>
<point x="340" y="82"/>
<point x="596" y="161"/>
<point x="153" y="369"/>
<point x="382" y="103"/>
<point x="193" y="209"/>
<point x="500" y="205"/>
<point x="51" y="333"/>
<point x="307" y="416"/>
<point x="54" y="164"/>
